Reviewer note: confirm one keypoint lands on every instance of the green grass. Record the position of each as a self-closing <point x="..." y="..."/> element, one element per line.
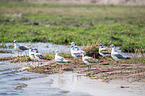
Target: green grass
<point x="83" y="24"/>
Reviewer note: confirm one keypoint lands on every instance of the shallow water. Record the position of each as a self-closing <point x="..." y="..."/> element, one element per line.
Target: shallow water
<point x="42" y="48"/>
<point x="15" y="81"/>
<point x="46" y="48"/>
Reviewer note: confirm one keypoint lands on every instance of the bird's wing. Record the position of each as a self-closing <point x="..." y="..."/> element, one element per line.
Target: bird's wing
<point x="105" y="52"/>
<point x="119" y="56"/>
<point x="103" y="49"/>
<point x="77" y="54"/>
<point x="60" y="58"/>
<point x="23" y="48"/>
<point x="82" y="51"/>
<point x="41" y="56"/>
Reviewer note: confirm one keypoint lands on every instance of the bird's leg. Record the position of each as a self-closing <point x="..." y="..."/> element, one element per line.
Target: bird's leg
<point x="25" y="54"/>
<point x="57" y="67"/>
<point x="61" y="67"/>
<point x="18" y="53"/>
<point x="38" y="62"/>
<point x="88" y="67"/>
<point x="77" y="63"/>
<point x="21" y="53"/>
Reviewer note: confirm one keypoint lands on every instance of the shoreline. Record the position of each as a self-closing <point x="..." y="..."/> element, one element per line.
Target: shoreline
<point x="73" y="82"/>
<point x="107" y="70"/>
<point x="123" y="78"/>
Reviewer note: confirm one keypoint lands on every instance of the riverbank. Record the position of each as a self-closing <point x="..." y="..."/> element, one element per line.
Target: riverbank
<point x="17" y="82"/>
<point x="123" y="78"/>
<point x="132" y="70"/>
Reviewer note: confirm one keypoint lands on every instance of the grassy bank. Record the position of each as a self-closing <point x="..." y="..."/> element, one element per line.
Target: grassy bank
<point x="82" y="24"/>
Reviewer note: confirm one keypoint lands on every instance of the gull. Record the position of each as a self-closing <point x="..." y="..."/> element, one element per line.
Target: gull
<point x="89" y="61"/>
<point x="72" y="43"/>
<point x="40" y="56"/>
<point x="104" y="51"/>
<point x="33" y="54"/>
<point x="19" y="48"/>
<point x="116" y="54"/>
<point x="75" y="51"/>
<point x="59" y="59"/>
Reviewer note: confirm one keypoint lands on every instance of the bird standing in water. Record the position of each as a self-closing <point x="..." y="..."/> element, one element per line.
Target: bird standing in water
<point x="117" y="55"/>
<point x="19" y="48"/>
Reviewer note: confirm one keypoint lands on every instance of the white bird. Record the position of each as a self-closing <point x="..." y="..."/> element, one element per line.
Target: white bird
<point x="89" y="61"/>
<point x="72" y="44"/>
<point x="104" y="51"/>
<point x="75" y="51"/>
<point x="59" y="59"/>
<point x="116" y="54"/>
<point x="33" y="54"/>
<point x="40" y="56"/>
<point x="19" y="48"/>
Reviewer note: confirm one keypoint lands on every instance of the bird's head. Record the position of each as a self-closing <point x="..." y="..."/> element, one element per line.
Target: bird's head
<point x="83" y="54"/>
<point x="57" y="51"/>
<point x="100" y="45"/>
<point x="35" y="49"/>
<point x="72" y="43"/>
<point x="112" y="46"/>
<point x="14" y="41"/>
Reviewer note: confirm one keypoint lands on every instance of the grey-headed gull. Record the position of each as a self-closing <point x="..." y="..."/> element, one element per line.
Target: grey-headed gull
<point x="116" y="54"/>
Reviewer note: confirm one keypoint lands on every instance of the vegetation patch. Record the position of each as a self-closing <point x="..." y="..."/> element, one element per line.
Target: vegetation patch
<point x="83" y="24"/>
<point x="5" y="51"/>
<point x="17" y="59"/>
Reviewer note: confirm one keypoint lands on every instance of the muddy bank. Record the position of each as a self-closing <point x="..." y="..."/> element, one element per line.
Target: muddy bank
<point x="106" y="70"/>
